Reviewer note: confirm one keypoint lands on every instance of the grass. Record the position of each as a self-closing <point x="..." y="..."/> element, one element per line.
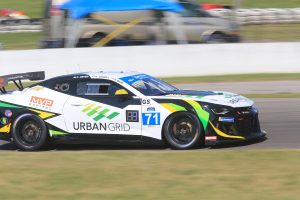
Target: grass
<point x="32" y="8"/>
<point x="271" y="32"/>
<point x="258" y="3"/>
<point x="268" y="175"/>
<point x="274" y="95"/>
<point x="20" y="40"/>
<point x="235" y="78"/>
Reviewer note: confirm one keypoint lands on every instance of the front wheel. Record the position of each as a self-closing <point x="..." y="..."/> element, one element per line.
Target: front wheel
<point x="29" y="132"/>
<point x="183" y="130"/>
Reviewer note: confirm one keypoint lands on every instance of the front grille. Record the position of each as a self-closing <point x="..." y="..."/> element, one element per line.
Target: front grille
<point x="245" y="122"/>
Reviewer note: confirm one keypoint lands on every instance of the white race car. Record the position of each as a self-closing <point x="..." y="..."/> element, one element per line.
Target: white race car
<point x="110" y="107"/>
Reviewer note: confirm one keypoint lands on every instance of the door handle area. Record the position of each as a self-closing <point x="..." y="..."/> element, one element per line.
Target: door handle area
<point x="77" y="104"/>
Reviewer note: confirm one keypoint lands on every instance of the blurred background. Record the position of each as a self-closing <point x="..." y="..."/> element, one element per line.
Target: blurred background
<point x="43" y="24"/>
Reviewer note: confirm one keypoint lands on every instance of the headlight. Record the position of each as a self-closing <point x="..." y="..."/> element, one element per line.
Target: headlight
<point x="218" y="110"/>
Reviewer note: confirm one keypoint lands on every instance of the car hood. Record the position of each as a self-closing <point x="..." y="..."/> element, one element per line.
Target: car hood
<point x="214" y="97"/>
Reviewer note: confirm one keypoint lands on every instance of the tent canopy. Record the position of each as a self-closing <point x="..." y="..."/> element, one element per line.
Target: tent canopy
<point x="81" y="8"/>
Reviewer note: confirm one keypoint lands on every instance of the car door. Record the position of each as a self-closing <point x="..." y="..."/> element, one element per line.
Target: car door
<point x="100" y="107"/>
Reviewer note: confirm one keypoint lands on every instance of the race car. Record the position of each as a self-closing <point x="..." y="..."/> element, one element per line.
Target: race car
<point x="116" y="107"/>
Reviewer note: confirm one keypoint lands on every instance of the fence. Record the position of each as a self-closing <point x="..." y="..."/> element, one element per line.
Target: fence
<point x="260" y="16"/>
<point x="164" y="60"/>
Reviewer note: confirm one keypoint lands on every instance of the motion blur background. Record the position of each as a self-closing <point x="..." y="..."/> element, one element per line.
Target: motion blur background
<point x="259" y="20"/>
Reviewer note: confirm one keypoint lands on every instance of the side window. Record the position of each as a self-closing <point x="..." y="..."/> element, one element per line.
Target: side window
<point x="97" y="89"/>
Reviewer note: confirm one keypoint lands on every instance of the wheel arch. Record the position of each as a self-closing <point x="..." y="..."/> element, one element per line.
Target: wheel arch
<point x="26" y="112"/>
<point x="207" y="34"/>
<point x="191" y="111"/>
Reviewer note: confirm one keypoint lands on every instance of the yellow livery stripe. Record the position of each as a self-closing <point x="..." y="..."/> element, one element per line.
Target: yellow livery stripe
<point x="42" y="114"/>
<point x="5" y="129"/>
<point x="222" y="134"/>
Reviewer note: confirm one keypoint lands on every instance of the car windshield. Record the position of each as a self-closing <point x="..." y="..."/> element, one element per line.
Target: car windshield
<point x="193" y="10"/>
<point x="149" y="85"/>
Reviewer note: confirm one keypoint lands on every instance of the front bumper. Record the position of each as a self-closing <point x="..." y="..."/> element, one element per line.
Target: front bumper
<point x="252" y="137"/>
<point x="241" y="124"/>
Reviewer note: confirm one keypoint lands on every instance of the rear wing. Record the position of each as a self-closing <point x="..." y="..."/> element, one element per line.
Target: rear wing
<point x="17" y="78"/>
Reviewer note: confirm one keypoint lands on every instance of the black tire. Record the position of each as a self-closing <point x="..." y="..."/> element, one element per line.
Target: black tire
<point x="29" y="132"/>
<point x="216" y="38"/>
<point x="183" y="130"/>
<point x="96" y="38"/>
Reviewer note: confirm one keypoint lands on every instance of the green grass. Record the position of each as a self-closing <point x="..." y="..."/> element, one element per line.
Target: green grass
<point x="20" y="40"/>
<point x="161" y="174"/>
<point x="274" y="95"/>
<point x="258" y="3"/>
<point x="271" y="32"/>
<point x="234" y="78"/>
<point x="32" y="8"/>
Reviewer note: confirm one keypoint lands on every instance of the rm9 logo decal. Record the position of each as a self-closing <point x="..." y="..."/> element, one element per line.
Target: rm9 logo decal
<point x="151" y="118"/>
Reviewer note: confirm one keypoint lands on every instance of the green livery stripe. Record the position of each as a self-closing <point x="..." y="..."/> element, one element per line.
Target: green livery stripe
<point x="89" y="106"/>
<point x="202" y="114"/>
<point x="113" y="115"/>
<point x="93" y="111"/>
<point x="176" y="107"/>
<point x="52" y="132"/>
<point x="101" y="114"/>
<point x="6" y="105"/>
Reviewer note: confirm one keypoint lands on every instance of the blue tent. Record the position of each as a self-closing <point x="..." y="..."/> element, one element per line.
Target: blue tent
<point x="81" y="8"/>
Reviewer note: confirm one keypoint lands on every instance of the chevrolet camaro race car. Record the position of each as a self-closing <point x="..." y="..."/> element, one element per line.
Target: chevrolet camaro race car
<point x="104" y="107"/>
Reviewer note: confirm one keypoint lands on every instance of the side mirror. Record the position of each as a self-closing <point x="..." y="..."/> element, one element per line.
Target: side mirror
<point x="122" y="93"/>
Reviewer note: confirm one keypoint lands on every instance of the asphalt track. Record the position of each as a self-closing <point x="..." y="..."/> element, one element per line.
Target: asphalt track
<point x="279" y="117"/>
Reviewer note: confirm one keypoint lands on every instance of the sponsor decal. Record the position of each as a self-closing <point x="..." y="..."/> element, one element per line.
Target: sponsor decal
<point x="151" y="118"/>
<point x="8" y="113"/>
<point x="82" y="76"/>
<point x="245" y="112"/>
<point x="114" y="127"/>
<point x="146" y="101"/>
<point x="210" y="137"/>
<point x="4" y="120"/>
<point x="41" y="103"/>
<point x="226" y="119"/>
<point x="97" y="112"/>
<point x="151" y="109"/>
<point x="132" y="116"/>
<point x="236" y="100"/>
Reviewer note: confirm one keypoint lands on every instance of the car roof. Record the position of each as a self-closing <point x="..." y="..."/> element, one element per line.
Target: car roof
<point x="110" y="74"/>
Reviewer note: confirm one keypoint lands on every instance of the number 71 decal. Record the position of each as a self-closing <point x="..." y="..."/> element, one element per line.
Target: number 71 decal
<point x="151" y="118"/>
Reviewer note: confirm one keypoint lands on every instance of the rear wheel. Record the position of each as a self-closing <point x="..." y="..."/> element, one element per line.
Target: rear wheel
<point x="183" y="131"/>
<point x="216" y="38"/>
<point x="29" y="132"/>
<point x="96" y="38"/>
